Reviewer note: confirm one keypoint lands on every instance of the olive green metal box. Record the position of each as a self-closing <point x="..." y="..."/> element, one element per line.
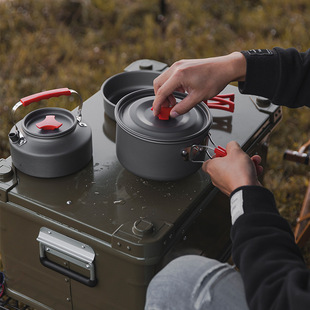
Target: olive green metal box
<point x="94" y="239"/>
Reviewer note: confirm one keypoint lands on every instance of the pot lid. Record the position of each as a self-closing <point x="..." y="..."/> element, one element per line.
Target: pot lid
<point x="133" y="114"/>
<point x="49" y="123"/>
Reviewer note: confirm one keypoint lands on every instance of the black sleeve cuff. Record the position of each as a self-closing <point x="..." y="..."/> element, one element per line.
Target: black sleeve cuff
<point x="262" y="73"/>
<point x="257" y="199"/>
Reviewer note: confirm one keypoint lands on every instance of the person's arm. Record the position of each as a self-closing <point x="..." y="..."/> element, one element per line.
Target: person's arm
<point x="274" y="273"/>
<point x="281" y="75"/>
<point x="263" y="247"/>
<point x="200" y="78"/>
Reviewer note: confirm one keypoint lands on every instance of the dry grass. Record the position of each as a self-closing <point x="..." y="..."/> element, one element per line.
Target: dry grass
<point x="79" y="43"/>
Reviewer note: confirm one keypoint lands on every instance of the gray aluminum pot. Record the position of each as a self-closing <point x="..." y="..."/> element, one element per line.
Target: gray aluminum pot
<point x="50" y="142"/>
<point x="158" y="149"/>
<point x="119" y="85"/>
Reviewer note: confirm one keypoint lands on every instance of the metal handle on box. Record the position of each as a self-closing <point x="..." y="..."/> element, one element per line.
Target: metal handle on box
<point x="70" y="250"/>
<point x="67" y="272"/>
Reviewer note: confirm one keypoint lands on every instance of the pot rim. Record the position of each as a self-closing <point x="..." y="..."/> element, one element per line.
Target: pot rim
<point x="115" y="79"/>
<point x="124" y="74"/>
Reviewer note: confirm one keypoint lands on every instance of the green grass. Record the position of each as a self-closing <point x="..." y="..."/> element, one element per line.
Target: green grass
<point x="78" y="44"/>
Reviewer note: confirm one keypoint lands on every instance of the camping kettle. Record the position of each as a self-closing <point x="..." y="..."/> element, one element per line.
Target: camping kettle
<point x="50" y="142"/>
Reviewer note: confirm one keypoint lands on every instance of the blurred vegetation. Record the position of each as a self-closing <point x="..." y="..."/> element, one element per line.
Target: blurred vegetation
<point x="79" y="43"/>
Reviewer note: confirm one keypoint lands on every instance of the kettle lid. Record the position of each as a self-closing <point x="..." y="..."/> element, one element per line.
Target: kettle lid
<point x="49" y="123"/>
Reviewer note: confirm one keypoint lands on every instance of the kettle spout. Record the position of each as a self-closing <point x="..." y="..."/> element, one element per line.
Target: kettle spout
<point x="17" y="137"/>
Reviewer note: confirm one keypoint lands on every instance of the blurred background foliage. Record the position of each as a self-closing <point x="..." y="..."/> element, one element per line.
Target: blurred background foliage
<point x="46" y="44"/>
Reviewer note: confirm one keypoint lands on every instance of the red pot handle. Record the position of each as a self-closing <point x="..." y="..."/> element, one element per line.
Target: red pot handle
<point x="222" y="102"/>
<point x="45" y="95"/>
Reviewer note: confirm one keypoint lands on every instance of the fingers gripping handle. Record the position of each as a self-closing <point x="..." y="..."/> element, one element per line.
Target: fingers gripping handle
<point x="195" y="150"/>
<point x="220" y="151"/>
<point x="221" y="102"/>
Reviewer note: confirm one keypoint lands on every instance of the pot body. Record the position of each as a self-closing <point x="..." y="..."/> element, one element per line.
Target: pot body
<point x="153" y="160"/>
<point x="155" y="149"/>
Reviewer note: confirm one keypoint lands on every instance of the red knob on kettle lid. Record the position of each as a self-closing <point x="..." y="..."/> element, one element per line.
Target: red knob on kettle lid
<point x="49" y="123"/>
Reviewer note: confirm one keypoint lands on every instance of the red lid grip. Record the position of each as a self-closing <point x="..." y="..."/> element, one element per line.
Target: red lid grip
<point x="164" y="113"/>
<point x="49" y="123"/>
<point x="45" y="95"/>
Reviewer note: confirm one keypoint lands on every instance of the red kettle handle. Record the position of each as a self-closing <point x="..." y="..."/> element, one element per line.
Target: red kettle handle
<point x="45" y="95"/>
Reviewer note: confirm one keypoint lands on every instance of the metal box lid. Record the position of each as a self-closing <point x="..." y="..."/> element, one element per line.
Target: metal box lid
<point x="135" y="216"/>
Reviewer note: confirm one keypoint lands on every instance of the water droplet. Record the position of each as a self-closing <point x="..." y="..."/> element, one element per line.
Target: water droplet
<point x="119" y="202"/>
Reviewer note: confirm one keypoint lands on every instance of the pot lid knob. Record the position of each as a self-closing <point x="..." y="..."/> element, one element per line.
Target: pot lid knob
<point x="49" y="123"/>
<point x="164" y="113"/>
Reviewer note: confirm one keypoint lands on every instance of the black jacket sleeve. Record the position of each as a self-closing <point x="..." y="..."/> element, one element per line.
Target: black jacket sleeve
<point x="281" y="75"/>
<point x="274" y="273"/>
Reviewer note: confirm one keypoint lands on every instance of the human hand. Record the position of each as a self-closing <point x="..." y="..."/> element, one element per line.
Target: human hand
<point x="234" y="170"/>
<point x="202" y="79"/>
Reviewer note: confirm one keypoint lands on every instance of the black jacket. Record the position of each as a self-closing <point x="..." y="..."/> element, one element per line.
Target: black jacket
<point x="282" y="75"/>
<point x="274" y="273"/>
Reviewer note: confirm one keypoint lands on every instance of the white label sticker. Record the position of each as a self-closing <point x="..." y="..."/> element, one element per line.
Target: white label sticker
<point x="236" y="206"/>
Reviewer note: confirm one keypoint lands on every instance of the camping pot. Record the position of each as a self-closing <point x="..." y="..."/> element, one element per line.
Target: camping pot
<point x="121" y="84"/>
<point x="50" y="142"/>
<point x="139" y="74"/>
<point x="159" y="149"/>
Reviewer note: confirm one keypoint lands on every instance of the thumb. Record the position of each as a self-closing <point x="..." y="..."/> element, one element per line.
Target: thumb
<point x="185" y="104"/>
